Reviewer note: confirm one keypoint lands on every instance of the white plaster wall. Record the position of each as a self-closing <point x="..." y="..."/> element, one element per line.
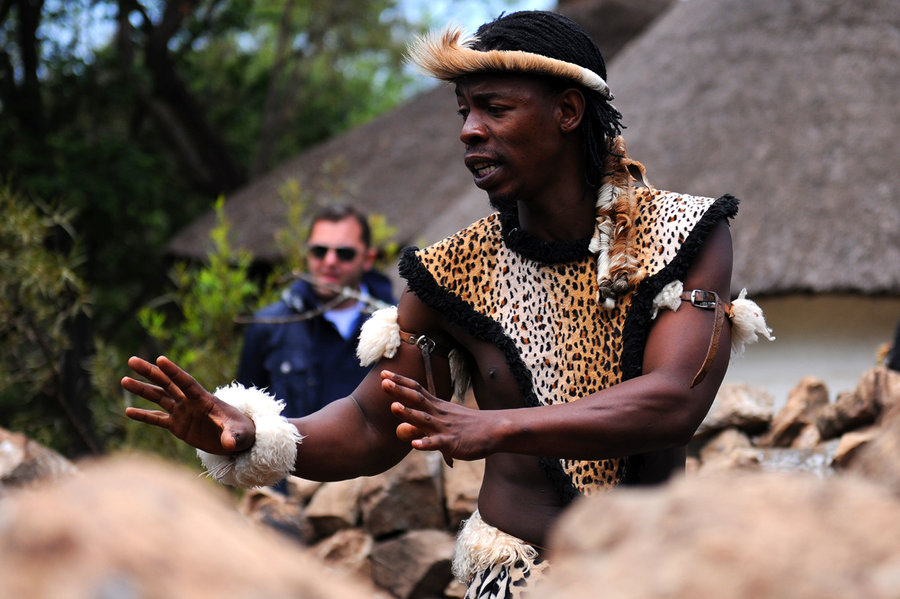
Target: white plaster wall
<point x="834" y="338"/>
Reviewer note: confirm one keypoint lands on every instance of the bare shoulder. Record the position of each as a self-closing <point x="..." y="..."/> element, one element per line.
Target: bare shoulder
<point x="712" y="268"/>
<point x="416" y="316"/>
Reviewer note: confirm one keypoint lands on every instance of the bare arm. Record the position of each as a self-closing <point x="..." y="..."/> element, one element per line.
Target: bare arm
<point x="350" y="437"/>
<point x="656" y="410"/>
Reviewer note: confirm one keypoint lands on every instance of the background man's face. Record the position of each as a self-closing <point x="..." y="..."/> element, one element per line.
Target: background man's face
<point x="337" y="256"/>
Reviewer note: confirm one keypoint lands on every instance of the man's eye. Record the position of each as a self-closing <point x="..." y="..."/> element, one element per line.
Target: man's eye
<point x="463" y="112"/>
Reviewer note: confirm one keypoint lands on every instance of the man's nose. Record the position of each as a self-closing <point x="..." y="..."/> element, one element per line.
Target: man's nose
<point x="473" y="130"/>
<point x="331" y="257"/>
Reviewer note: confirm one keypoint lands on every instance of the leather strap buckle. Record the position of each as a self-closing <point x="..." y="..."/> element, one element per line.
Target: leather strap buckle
<point x="706" y="300"/>
<point x="428" y="347"/>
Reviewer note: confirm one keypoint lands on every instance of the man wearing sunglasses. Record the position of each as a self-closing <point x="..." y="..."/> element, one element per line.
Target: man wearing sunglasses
<point x="303" y="348"/>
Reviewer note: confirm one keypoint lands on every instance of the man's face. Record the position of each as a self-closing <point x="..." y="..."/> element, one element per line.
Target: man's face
<point x="337" y="256"/>
<point x="513" y="141"/>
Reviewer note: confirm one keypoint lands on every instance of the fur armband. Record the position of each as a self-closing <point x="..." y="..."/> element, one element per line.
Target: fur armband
<point x="747" y="319"/>
<point x="272" y="456"/>
<point x="669" y="297"/>
<point x="748" y="323"/>
<point x="379" y="337"/>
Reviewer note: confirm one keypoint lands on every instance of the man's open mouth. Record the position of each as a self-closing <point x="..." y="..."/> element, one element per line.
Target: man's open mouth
<point x="483" y="169"/>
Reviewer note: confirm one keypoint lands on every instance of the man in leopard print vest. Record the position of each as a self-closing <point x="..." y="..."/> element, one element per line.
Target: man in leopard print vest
<point x="586" y="315"/>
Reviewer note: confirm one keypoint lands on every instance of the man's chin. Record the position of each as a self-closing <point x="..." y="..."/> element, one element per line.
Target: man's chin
<point x="502" y="202"/>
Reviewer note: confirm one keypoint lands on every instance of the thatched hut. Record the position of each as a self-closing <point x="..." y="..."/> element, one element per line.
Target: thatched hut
<point x="406" y="164"/>
<point x="793" y="106"/>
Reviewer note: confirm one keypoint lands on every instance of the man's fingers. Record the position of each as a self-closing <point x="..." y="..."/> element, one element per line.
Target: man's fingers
<point x="403" y="381"/>
<point x="154" y="417"/>
<point x="148" y="392"/>
<point x="155" y="374"/>
<point x="186" y="384"/>
<point x="409" y="396"/>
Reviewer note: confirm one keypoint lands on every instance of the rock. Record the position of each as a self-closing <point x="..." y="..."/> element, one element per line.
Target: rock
<point x="738" y="406"/>
<point x="137" y="527"/>
<point x="809" y="437"/>
<point x="348" y="552"/>
<point x="739" y="458"/>
<point x="727" y="451"/>
<point x="334" y="507"/>
<point x="24" y="462"/>
<point x="878" y="460"/>
<point x="723" y="444"/>
<point x="851" y="442"/>
<point x="744" y="536"/>
<point x="803" y="403"/>
<point x="415" y="564"/>
<point x="280" y="512"/>
<point x="301" y="490"/>
<point x="406" y="497"/>
<point x="880" y="385"/>
<point x="851" y="410"/>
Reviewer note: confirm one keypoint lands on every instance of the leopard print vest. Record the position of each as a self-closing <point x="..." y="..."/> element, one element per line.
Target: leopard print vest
<point x="536" y="302"/>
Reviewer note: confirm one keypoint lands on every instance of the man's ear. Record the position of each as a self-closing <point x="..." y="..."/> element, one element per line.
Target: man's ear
<point x="371" y="256"/>
<point x="570" y="104"/>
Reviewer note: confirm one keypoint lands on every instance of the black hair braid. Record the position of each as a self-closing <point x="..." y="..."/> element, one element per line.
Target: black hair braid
<point x="555" y="36"/>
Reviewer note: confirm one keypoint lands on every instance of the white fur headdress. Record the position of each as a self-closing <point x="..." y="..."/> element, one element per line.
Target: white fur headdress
<point x="449" y="54"/>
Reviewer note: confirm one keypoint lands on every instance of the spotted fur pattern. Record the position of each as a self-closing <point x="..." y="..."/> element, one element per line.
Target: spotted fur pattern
<point x="540" y="308"/>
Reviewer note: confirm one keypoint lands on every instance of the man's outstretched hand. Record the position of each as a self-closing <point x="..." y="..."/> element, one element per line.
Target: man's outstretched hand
<point x="191" y="413"/>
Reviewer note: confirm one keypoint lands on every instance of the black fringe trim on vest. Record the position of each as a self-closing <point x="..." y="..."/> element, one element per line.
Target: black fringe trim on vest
<point x="463" y="314"/>
<point x="545" y="252"/>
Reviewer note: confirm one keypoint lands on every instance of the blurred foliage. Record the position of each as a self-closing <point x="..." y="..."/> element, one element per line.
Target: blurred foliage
<point x="195" y="323"/>
<point x="123" y="120"/>
<point x="42" y="297"/>
<point x="132" y="137"/>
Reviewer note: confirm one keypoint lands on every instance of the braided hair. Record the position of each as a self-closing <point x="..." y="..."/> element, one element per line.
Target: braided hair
<point x="555" y="36"/>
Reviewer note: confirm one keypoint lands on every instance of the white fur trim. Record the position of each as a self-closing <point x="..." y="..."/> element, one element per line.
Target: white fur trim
<point x="479" y="546"/>
<point x="669" y="297"/>
<point x="748" y="323"/>
<point x="379" y="337"/>
<point x="272" y="456"/>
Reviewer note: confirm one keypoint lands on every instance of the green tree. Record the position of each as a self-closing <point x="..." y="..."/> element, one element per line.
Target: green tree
<point x="43" y="305"/>
<point x="134" y="138"/>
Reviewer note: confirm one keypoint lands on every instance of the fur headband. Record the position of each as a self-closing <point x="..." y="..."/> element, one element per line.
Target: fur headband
<point x="449" y="54"/>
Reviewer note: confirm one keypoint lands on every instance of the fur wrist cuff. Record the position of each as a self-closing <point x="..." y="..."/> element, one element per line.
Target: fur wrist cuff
<point x="272" y="456"/>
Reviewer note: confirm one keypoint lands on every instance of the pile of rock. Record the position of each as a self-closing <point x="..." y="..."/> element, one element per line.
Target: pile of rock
<point x="801" y="503"/>
<point x="396" y="529"/>
<point x="747" y="525"/>
<point x="809" y="434"/>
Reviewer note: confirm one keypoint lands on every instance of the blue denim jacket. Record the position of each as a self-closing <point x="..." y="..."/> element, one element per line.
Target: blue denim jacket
<point x="307" y="363"/>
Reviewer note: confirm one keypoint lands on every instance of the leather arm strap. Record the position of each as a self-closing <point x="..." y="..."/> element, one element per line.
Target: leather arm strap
<point x="708" y="300"/>
<point x="428" y="347"/>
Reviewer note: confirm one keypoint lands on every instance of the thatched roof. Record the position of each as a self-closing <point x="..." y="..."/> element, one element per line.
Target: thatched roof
<point x="406" y="164"/>
<point x="394" y="165"/>
<point x="791" y="105"/>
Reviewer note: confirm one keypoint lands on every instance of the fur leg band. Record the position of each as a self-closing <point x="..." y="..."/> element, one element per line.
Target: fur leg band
<point x="272" y="456"/>
<point x="480" y="546"/>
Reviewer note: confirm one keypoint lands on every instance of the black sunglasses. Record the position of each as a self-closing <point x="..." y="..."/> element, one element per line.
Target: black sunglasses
<point x="344" y="254"/>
